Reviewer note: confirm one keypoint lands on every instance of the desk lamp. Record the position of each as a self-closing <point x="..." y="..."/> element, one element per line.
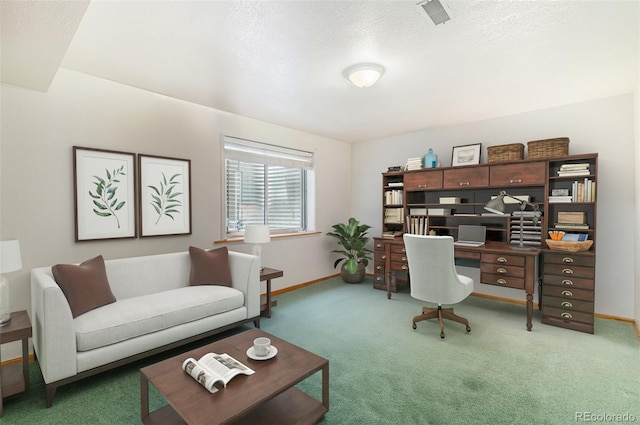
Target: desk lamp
<point x="257" y="234"/>
<point x="497" y="206"/>
<point x="10" y="261"/>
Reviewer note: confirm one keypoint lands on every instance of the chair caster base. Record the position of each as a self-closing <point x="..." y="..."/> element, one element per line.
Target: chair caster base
<point x="442" y="335"/>
<point x="468" y="329"/>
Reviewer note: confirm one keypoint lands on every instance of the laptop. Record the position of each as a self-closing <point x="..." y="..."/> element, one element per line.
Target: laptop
<point x="470" y="235"/>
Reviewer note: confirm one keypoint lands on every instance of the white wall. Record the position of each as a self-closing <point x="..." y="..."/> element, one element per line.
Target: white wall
<point x="36" y="177"/>
<point x="605" y="126"/>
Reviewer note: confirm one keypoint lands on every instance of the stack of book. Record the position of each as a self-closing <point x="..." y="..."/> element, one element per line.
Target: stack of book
<point x="414" y="163"/>
<point x="583" y="191"/>
<point x="394" y="215"/>
<point x="568" y="170"/>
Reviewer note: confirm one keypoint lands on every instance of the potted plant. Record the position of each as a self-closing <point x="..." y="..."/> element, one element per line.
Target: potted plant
<point x="353" y="239"/>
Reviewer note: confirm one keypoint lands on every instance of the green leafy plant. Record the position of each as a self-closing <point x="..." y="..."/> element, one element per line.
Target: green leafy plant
<point x="104" y="199"/>
<point x="353" y="239"/>
<point x="164" y="200"/>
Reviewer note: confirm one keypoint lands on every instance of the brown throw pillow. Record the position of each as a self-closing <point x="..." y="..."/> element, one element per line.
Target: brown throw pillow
<point x="85" y="286"/>
<point x="209" y="267"/>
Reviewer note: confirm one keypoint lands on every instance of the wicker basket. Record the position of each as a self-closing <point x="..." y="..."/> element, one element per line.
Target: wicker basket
<point x="510" y="152"/>
<point x="548" y="148"/>
<point x="569" y="246"/>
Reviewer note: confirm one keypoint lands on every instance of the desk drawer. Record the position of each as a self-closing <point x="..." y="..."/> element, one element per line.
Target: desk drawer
<point x="398" y="249"/>
<point x="570" y="271"/>
<point x="569" y="282"/>
<point x="379" y="267"/>
<point x="499" y="269"/>
<point x="379" y="278"/>
<point x="398" y="258"/>
<point x="511" y="260"/>
<point x="379" y="256"/>
<point x="568" y="315"/>
<point x="567" y="293"/>
<point x="569" y="305"/>
<point x="500" y="280"/>
<point x="570" y="259"/>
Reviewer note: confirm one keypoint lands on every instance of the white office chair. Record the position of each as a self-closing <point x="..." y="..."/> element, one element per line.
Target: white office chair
<point x="434" y="279"/>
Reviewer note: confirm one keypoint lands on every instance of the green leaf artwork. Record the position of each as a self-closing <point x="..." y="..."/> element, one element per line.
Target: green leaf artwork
<point x="105" y="201"/>
<point x="165" y="201"/>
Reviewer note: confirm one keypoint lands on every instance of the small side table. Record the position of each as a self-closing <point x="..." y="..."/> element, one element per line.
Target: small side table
<point x="12" y="379"/>
<point x="265" y="301"/>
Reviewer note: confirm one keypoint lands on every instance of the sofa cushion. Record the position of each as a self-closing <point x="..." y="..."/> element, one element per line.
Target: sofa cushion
<point x="133" y="317"/>
<point x="85" y="286"/>
<point x="209" y="267"/>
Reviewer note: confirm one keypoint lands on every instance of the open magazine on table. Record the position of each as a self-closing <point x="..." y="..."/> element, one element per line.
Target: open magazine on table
<point x="215" y="368"/>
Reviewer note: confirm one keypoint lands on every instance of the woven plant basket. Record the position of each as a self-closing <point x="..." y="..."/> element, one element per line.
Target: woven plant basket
<point x="511" y="152"/>
<point x="548" y="148"/>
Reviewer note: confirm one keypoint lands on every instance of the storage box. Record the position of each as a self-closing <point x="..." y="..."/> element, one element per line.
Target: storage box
<point x="513" y="151"/>
<point x="548" y="148"/>
<point x="569" y="246"/>
<point x="439" y="211"/>
<point x="577" y="217"/>
<point x="449" y="200"/>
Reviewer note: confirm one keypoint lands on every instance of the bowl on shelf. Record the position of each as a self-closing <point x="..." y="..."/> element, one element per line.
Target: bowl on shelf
<point x="569" y="246"/>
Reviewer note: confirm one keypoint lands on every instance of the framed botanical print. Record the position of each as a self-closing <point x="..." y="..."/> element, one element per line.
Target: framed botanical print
<point x="466" y="155"/>
<point x="165" y="195"/>
<point x="104" y="194"/>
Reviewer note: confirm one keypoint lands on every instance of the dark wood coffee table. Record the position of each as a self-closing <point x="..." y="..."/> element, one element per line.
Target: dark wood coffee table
<point x="266" y="397"/>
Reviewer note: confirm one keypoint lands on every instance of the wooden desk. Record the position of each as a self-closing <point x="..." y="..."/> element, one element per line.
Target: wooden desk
<point x="499" y="263"/>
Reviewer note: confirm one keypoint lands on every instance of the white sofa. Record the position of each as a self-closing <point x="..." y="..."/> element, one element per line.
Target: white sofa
<point x="155" y="310"/>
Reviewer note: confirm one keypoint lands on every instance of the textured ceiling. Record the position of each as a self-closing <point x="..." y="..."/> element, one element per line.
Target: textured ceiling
<point x="282" y="61"/>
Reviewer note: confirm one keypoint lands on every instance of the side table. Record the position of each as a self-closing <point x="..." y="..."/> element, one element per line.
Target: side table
<point x="12" y="379"/>
<point x="265" y="301"/>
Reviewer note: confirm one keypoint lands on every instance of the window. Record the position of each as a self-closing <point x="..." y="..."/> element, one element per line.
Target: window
<point x="265" y="184"/>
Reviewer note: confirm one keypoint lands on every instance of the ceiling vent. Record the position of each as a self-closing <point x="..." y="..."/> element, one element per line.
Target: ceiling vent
<point x="436" y="9"/>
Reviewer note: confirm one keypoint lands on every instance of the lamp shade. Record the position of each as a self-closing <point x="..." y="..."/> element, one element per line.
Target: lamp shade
<point x="496" y="205"/>
<point x="10" y="260"/>
<point x="364" y="75"/>
<point x="257" y="233"/>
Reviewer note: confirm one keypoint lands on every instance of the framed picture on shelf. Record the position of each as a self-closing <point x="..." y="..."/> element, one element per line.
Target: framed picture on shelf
<point x="104" y="194"/>
<point x="466" y="155"/>
<point x="165" y="196"/>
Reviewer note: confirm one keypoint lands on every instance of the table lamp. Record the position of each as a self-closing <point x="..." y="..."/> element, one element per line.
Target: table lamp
<point x="497" y="206"/>
<point x="10" y="261"/>
<point x="257" y="234"/>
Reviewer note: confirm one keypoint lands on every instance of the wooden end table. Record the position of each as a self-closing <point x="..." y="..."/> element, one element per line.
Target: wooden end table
<point x="265" y="301"/>
<point x="13" y="378"/>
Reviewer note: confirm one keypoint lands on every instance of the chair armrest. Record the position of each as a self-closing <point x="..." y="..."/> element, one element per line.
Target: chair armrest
<point x="54" y="338"/>
<point x="245" y="276"/>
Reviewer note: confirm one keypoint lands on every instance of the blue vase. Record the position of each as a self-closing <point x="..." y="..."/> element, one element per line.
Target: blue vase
<point x="429" y="160"/>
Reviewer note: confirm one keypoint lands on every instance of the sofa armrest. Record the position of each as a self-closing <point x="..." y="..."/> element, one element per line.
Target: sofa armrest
<point x="245" y="276"/>
<point x="54" y="337"/>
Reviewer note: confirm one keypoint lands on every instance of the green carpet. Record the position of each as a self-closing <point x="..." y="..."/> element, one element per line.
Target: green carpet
<point x="384" y="372"/>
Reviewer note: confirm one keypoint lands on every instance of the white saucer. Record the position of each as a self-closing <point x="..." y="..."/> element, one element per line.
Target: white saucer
<point x="272" y="353"/>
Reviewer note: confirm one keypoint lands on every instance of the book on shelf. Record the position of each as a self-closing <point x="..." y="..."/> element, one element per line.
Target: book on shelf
<point x="417" y="225"/>
<point x="394" y="215"/>
<point x="557" y="199"/>
<point x="575" y="237"/>
<point x="465" y="215"/>
<point x="571" y="226"/>
<point x="414" y="163"/>
<point x="391" y="234"/>
<point x="395" y="184"/>
<point x="439" y="211"/>
<point x="393" y="197"/>
<point x="583" y="191"/>
<point x="212" y="369"/>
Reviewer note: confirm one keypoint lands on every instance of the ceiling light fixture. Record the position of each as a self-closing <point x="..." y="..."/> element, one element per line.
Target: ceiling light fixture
<point x="364" y="75"/>
<point x="437" y="10"/>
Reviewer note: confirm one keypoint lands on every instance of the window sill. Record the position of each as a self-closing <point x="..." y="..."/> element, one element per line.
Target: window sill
<point x="276" y="236"/>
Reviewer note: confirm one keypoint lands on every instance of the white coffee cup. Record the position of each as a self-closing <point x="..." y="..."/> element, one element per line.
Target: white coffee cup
<point x="261" y="346"/>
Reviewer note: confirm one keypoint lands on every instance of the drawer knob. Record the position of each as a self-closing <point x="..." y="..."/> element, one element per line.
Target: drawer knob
<point x="501" y="281"/>
<point x="515" y="181"/>
<point x="567" y="260"/>
<point x="567" y="282"/>
<point x="403" y="249"/>
<point x="501" y="271"/>
<point x="378" y="267"/>
<point x="567" y="271"/>
<point x="423" y="186"/>
<point x="404" y="258"/>
<point x="384" y="257"/>
<point x="464" y="183"/>
<point x="567" y="293"/>
<point x="566" y="304"/>
<point x="405" y="267"/>
<point x="501" y="260"/>
<point x="567" y="315"/>
<point x="379" y="245"/>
